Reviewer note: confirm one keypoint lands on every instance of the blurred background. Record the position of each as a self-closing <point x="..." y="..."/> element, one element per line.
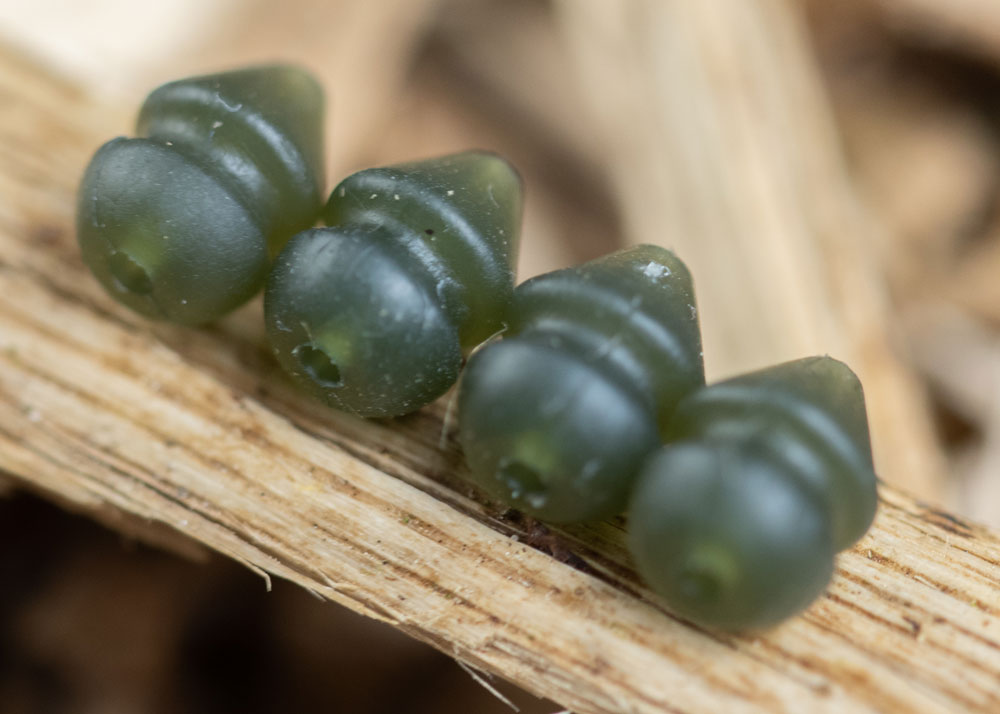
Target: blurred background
<point x="830" y="171"/>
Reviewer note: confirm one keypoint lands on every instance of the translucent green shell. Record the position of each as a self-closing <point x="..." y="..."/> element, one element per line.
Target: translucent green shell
<point x="557" y="418"/>
<point x="180" y="224"/>
<point x="372" y="314"/>
<point x="736" y="522"/>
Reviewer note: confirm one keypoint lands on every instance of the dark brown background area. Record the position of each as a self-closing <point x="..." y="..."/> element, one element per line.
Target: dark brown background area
<point x="91" y="622"/>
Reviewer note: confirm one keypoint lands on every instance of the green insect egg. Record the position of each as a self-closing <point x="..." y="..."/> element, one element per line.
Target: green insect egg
<point x="765" y="477"/>
<point x="181" y="222"/>
<point x="557" y="418"/>
<point x="374" y="313"/>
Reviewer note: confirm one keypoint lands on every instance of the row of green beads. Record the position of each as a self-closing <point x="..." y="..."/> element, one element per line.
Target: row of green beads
<point x="372" y="314"/>
<point x="764" y="477"/>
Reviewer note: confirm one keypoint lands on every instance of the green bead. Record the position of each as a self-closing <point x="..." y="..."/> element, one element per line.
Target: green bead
<point x="770" y="473"/>
<point x="181" y="223"/>
<point x="721" y="533"/>
<point x="809" y="414"/>
<point x="557" y="418"/>
<point x="373" y="314"/>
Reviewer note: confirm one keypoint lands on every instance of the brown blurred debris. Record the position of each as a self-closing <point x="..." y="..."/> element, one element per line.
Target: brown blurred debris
<point x="921" y="122"/>
<point x="969" y="25"/>
<point x="719" y="140"/>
